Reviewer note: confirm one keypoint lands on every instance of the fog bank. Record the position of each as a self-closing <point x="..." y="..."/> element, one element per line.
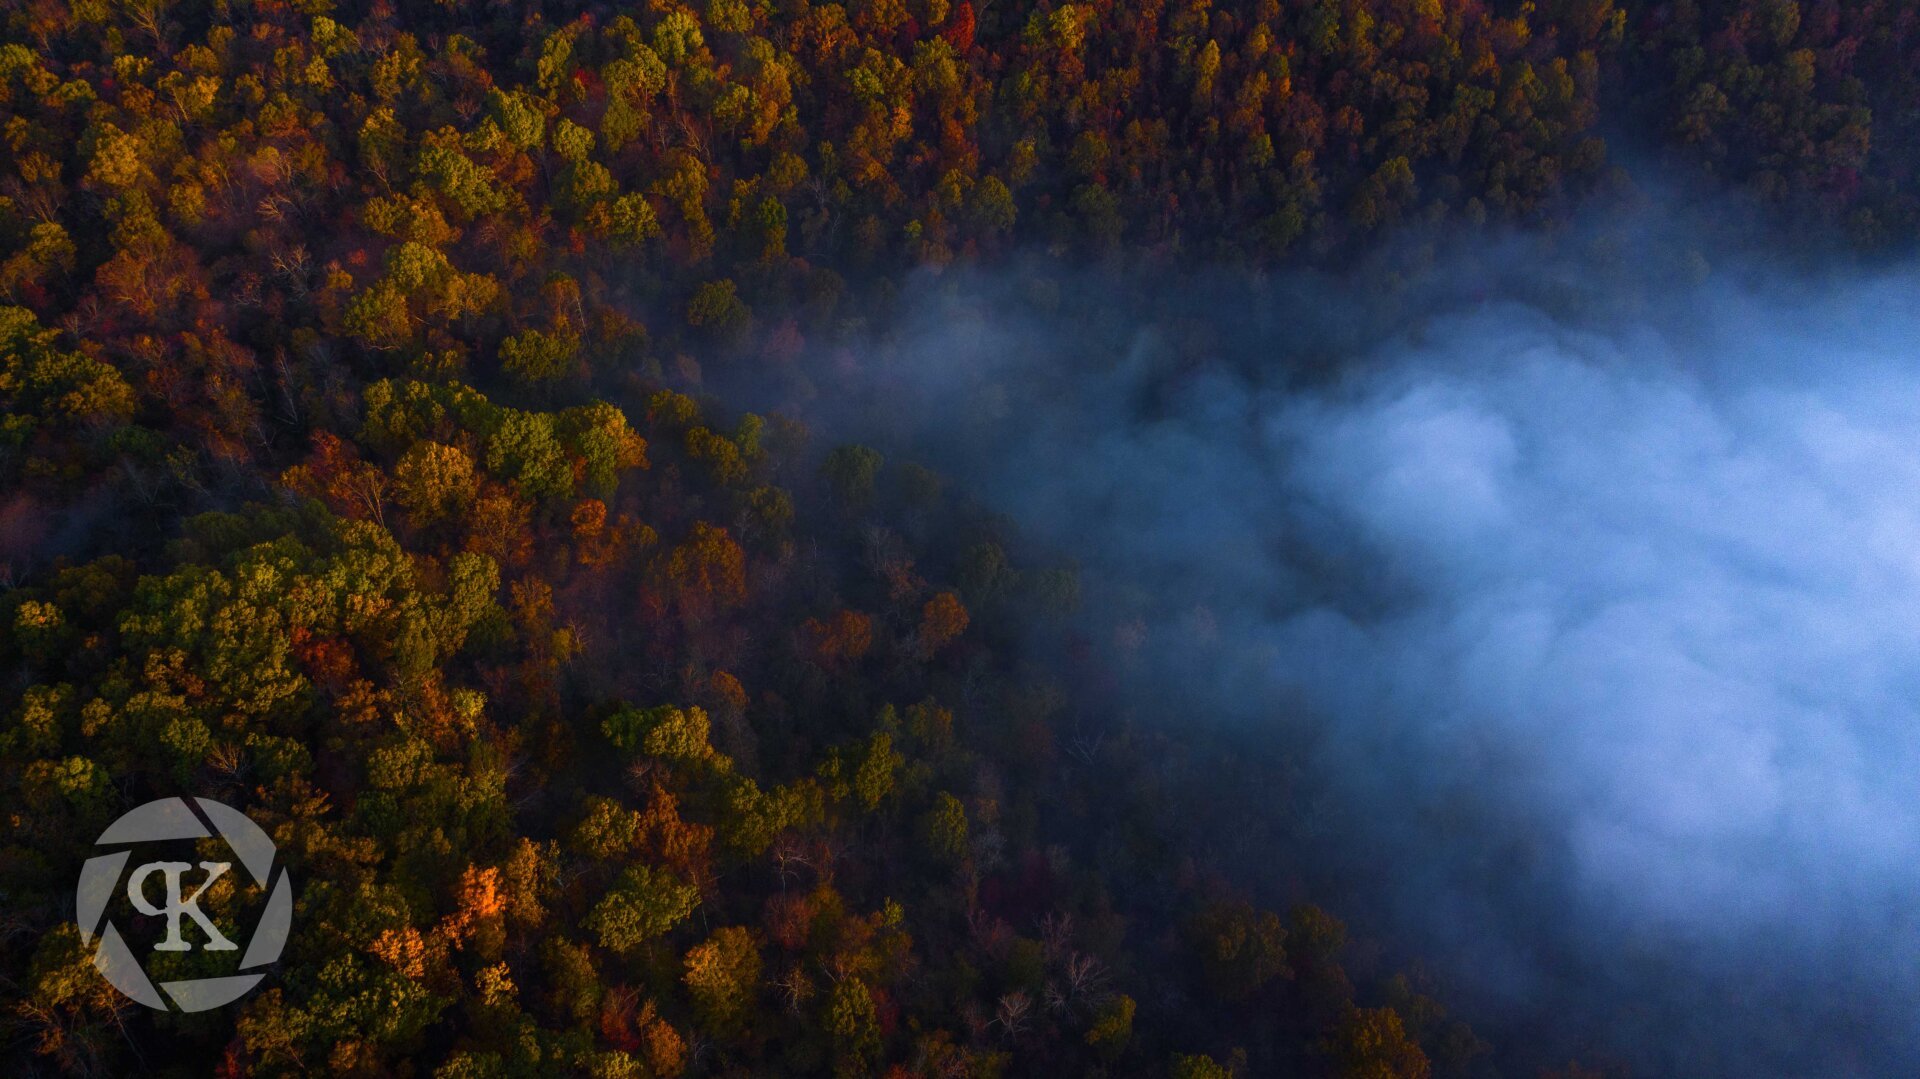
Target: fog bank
<point x="1598" y="624"/>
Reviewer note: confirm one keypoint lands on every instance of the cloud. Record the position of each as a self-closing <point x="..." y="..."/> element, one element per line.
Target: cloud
<point x="1694" y="601"/>
<point x="1606" y="620"/>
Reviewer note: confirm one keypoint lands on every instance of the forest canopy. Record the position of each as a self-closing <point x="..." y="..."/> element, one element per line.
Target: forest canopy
<point x="366" y="464"/>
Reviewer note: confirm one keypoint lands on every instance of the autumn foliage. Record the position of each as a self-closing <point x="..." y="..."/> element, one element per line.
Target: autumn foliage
<point x="364" y="468"/>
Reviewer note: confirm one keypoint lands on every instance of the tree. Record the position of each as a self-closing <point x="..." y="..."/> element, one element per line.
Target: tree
<point x="536" y="357"/>
<point x="1241" y="949"/>
<point x="525" y="449"/>
<point x="606" y="446"/>
<point x="854" y="1025"/>
<point x="840" y="640"/>
<point x="873" y="777"/>
<point x="52" y="386"/>
<point x="642" y="907"/>
<point x="723" y="975"/>
<point x="1112" y="1026"/>
<point x="434" y="482"/>
<point x="1372" y="1043"/>
<point x="1197" y="1067"/>
<point x="717" y="308"/>
<point x="943" y="829"/>
<point x="72" y="1013"/>
<point x="672" y="734"/>
<point x="520" y="117"/>
<point x="942" y="619"/>
<point x="627" y="221"/>
<point x="710" y="565"/>
<point x="851" y="471"/>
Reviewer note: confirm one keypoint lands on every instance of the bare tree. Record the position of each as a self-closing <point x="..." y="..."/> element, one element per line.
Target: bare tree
<point x="1013" y="1013"/>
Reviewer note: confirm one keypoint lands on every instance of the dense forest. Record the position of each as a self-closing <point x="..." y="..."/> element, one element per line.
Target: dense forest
<point x="368" y="465"/>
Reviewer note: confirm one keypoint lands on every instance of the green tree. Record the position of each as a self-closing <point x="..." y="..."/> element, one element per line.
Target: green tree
<point x="641" y="907"/>
<point x="717" y="308"/>
<point x="519" y="116"/>
<point x="873" y="776"/>
<point x="536" y="356"/>
<point x="854" y="1026"/>
<point x="852" y="470"/>
<point x="943" y="829"/>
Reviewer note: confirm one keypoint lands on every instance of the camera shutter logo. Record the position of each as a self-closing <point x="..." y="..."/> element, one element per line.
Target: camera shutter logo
<point x="169" y="819"/>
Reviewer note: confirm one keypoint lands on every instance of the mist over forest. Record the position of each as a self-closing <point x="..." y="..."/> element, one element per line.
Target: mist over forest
<point x="1587" y="625"/>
